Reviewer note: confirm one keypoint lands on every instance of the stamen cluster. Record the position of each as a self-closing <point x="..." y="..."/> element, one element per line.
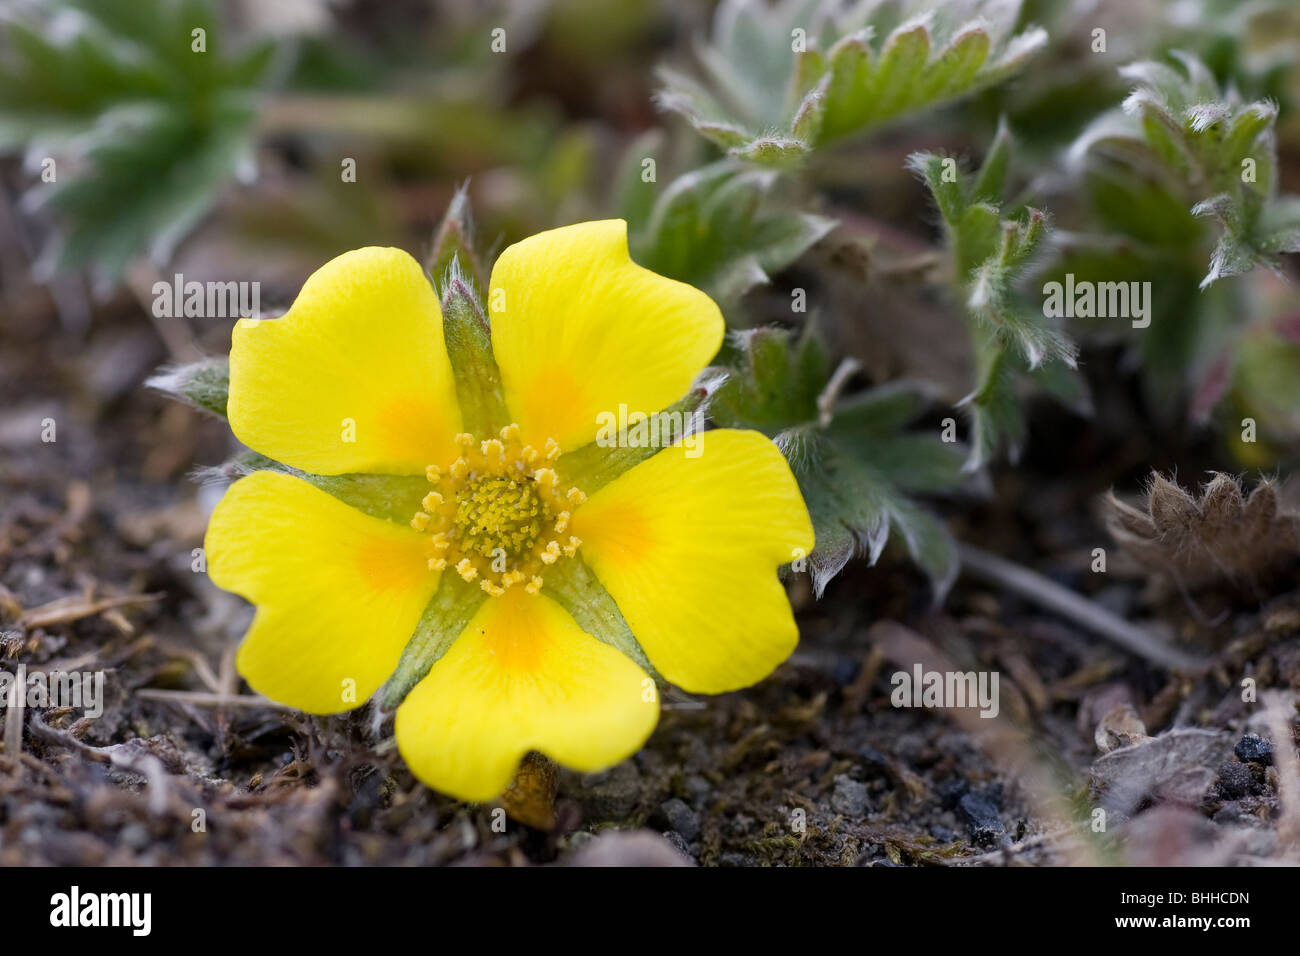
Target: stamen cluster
<point x="498" y="513"/>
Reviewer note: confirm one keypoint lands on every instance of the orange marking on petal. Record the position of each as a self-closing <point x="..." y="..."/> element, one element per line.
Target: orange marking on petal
<point x="622" y="530"/>
<point x="515" y="639"/>
<point x="389" y="569"/>
<point x="410" y="424"/>
<point x="555" y="396"/>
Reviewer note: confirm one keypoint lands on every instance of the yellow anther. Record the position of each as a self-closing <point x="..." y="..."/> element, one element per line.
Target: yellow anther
<point x="499" y="514"/>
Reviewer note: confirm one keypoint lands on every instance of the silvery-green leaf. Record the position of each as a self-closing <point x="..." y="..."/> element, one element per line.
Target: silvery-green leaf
<point x="147" y="130"/>
<point x="856" y="469"/>
<point x="814" y="72"/>
<point x="721" y="228"/>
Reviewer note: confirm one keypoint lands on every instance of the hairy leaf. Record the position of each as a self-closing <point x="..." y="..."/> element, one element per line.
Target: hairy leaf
<point x="1215" y="152"/>
<point x="856" y="464"/>
<point x="719" y="228"/>
<point x="789" y="77"/>
<point x="144" y="130"/>
<point x="990" y="253"/>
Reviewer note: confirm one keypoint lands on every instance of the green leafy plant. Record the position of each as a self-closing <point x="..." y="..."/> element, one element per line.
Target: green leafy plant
<point x="718" y="227"/>
<point x="1219" y="151"/>
<point x="990" y="251"/>
<point x="143" y="125"/>
<point x="1180" y="190"/>
<point x="857" y="464"/>
<point x="787" y="78"/>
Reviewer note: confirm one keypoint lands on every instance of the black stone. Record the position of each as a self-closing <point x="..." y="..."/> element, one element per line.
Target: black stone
<point x="1235" y="780"/>
<point x="675" y="815"/>
<point x="1253" y="748"/>
<point x="981" y="816"/>
<point x="951" y="792"/>
<point x="872" y="758"/>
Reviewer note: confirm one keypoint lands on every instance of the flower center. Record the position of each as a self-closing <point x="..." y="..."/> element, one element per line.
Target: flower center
<point x="498" y="513"/>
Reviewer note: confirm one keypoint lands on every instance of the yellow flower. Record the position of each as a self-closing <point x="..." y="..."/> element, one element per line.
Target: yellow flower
<point x="466" y="603"/>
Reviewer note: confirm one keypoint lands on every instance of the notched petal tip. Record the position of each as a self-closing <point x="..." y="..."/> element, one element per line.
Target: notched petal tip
<point x="354" y="378"/>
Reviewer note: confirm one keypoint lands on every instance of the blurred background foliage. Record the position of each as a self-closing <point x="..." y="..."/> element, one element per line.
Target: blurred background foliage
<point x="789" y="157"/>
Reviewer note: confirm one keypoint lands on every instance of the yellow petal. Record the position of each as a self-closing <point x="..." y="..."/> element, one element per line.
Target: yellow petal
<point x="523" y="676"/>
<point x="354" y="377"/>
<point x="338" y="593"/>
<point x="578" y="328"/>
<point x="689" y="548"/>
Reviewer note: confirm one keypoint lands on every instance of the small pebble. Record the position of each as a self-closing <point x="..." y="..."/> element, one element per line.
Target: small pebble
<point x="1253" y="748"/>
<point x="873" y="759"/>
<point x="1235" y="780"/>
<point x="678" y="841"/>
<point x="134" y="835"/>
<point x="981" y="816"/>
<point x="628" y="848"/>
<point x="1228" y="813"/>
<point x="612" y="794"/>
<point x="698" y="788"/>
<point x="951" y="792"/>
<point x="849" y="797"/>
<point x="674" y="814"/>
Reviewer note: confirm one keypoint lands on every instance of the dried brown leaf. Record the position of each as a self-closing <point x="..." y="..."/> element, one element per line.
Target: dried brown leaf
<point x="1223" y="538"/>
<point x="1177" y="767"/>
<point x="1120" y="727"/>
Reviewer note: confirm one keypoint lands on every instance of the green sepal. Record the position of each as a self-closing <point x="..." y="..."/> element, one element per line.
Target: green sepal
<point x="394" y="498"/>
<point x="469" y="346"/>
<point x="597" y="463"/>
<point x="445" y="618"/>
<point x="453" y="246"/>
<point x="572" y="585"/>
<point x="204" y="384"/>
